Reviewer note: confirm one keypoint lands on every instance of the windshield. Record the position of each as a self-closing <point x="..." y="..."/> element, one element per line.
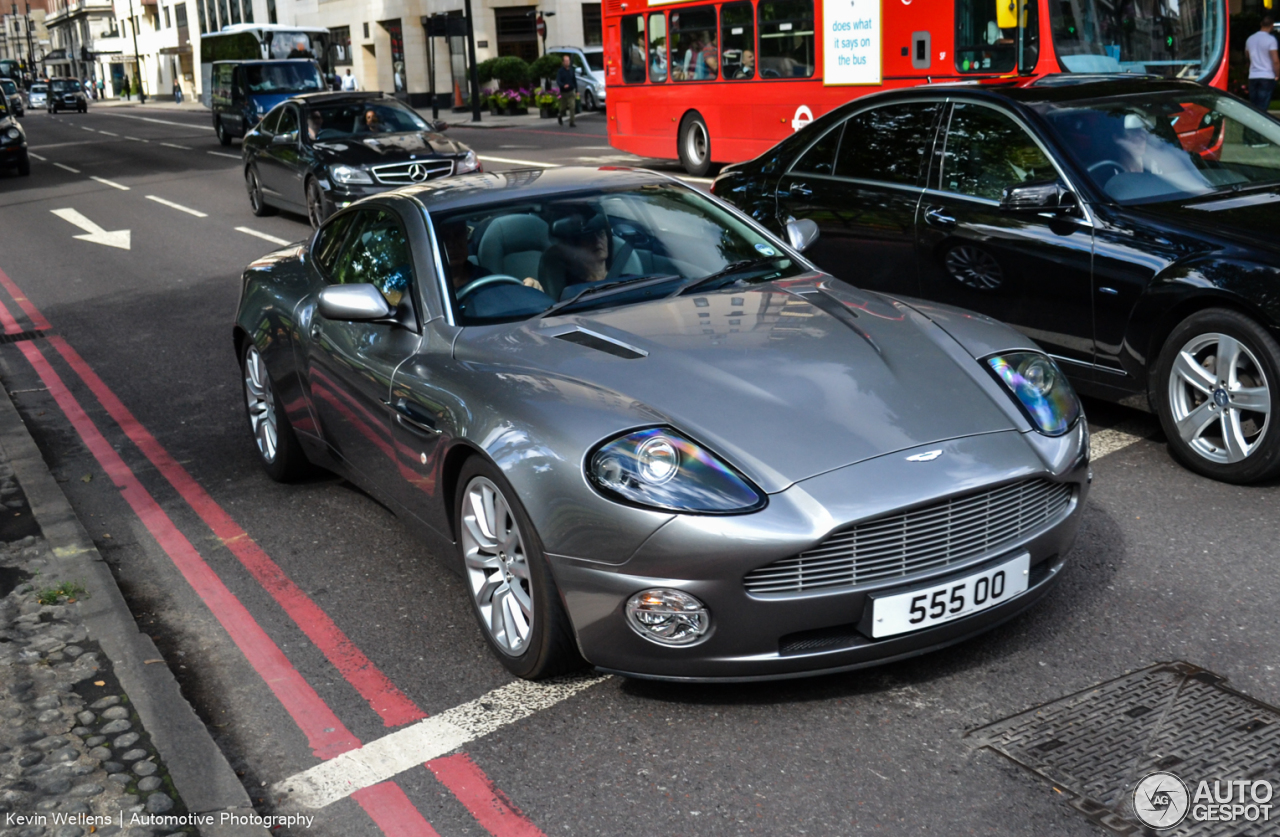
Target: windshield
<point x="66" y="86"/>
<point x="8" y="86"/>
<point x="39" y="88"/>
<point x="1169" y="146"/>
<point x="983" y="47"/>
<point x="334" y="122"/>
<point x="1173" y="38"/>
<point x="292" y="77"/>
<point x="293" y="45"/>
<point x="514" y="261"/>
<point x="595" y="60"/>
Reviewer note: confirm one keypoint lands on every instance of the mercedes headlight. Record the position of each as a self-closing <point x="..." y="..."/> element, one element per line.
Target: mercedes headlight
<point x="466" y="163"/>
<point x="1040" y="388"/>
<point x="349" y="175"/>
<point x="660" y="469"/>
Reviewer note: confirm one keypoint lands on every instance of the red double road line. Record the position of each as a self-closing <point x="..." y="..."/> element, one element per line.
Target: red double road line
<point x="463" y="777"/>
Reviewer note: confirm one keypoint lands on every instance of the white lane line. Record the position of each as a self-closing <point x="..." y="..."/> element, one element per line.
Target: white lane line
<point x="135" y="139"/>
<point x="178" y="206"/>
<point x="224" y="154"/>
<point x="87" y="128"/>
<point x="65" y="167"/>
<point x="172" y="145"/>
<point x="512" y="162"/>
<point x="110" y="183"/>
<point x="695" y="179"/>
<point x="38" y="157"/>
<point x="163" y="121"/>
<point x="431" y="738"/>
<point x="108" y="133"/>
<point x="263" y="236"/>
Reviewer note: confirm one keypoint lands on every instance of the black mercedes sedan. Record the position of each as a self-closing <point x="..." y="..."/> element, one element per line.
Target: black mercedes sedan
<point x="1127" y="225"/>
<point x="319" y="152"/>
<point x="13" y="142"/>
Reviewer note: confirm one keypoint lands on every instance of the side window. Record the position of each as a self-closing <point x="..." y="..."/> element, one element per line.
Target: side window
<point x="329" y="241"/>
<point x="738" y="40"/>
<point x="786" y="39"/>
<point x="695" y="54"/>
<point x="987" y="151"/>
<point x="288" y="121"/>
<point x="821" y="156"/>
<point x="271" y="122"/>
<point x="633" y="49"/>
<point x="376" y="252"/>
<point x="892" y="143"/>
<point x="657" y="47"/>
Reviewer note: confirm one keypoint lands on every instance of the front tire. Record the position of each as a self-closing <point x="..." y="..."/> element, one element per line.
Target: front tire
<point x="513" y="595"/>
<point x="257" y="203"/>
<point x="1216" y="389"/>
<point x="218" y="128"/>
<point x="277" y="445"/>
<point x="589" y="101"/>
<point x="694" y="145"/>
<point x="315" y="204"/>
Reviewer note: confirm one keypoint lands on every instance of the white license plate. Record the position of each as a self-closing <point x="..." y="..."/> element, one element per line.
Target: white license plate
<point x="919" y="609"/>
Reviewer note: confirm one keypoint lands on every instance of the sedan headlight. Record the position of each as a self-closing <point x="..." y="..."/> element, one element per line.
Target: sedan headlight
<point x="13" y="133"/>
<point x="660" y="469"/>
<point x="349" y="175"/>
<point x="466" y="163"/>
<point x="1040" y="388"/>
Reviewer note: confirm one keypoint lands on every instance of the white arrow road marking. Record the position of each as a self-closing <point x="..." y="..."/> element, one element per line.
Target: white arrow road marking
<point x="171" y="145"/>
<point x="178" y="206"/>
<point x="431" y="738"/>
<point x="223" y="154"/>
<point x="263" y="236"/>
<point x="94" y="233"/>
<point x="110" y="183"/>
<point x="68" y="168"/>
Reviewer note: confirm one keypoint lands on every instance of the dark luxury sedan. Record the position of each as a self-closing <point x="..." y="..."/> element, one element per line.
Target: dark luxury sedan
<point x="1127" y="225"/>
<point x="13" y="142"/>
<point x="66" y="94"/>
<point x="651" y="435"/>
<point x="319" y="152"/>
<point x="13" y="96"/>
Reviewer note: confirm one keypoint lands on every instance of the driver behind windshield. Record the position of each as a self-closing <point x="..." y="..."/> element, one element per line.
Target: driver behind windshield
<point x="579" y="256"/>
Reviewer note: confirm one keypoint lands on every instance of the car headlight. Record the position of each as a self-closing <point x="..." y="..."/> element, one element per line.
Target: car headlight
<point x="466" y="163"/>
<point x="348" y="174"/>
<point x="660" y="469"/>
<point x="13" y="133"/>
<point x="1040" y="388"/>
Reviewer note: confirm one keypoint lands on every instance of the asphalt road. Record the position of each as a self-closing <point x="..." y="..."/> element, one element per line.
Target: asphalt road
<point x="1168" y="565"/>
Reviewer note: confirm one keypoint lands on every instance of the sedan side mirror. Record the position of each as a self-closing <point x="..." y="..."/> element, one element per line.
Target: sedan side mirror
<point x="1050" y="196"/>
<point x="290" y="138"/>
<point x="800" y="234"/>
<point x="353" y="302"/>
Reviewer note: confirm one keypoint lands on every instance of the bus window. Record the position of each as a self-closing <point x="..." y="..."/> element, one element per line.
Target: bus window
<point x="694" y="53"/>
<point x="738" y="40"/>
<point x="821" y="156"/>
<point x="893" y="142"/>
<point x="657" y="47"/>
<point x="786" y="39"/>
<point x="983" y="47"/>
<point x="633" y="49"/>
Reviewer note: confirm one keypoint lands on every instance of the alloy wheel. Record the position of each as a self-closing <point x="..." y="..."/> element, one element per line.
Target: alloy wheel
<point x="261" y="402"/>
<point x="1219" y="398"/>
<point x="497" y="567"/>
<point x="255" y="191"/>
<point x="974" y="267"/>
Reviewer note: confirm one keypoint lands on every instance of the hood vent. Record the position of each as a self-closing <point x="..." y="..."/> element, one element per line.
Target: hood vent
<point x="838" y="310"/>
<point x="602" y="344"/>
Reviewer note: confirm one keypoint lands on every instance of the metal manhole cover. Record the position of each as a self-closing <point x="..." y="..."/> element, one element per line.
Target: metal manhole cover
<point x="1100" y="743"/>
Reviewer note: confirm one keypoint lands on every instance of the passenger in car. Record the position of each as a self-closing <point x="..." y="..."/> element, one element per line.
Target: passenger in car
<point x="579" y="256"/>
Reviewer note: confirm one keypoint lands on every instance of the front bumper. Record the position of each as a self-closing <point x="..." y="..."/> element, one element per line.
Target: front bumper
<point x="11" y="155"/>
<point x="794" y="634"/>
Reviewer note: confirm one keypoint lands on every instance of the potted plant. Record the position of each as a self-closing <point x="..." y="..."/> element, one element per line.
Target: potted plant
<point x="517" y="102"/>
<point x="500" y="101"/>
<point x="492" y="101"/>
<point x="548" y="104"/>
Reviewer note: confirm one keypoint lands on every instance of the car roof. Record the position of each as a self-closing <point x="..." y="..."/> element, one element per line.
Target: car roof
<point x="477" y="190"/>
<point x="1059" y="87"/>
<point x="340" y="98"/>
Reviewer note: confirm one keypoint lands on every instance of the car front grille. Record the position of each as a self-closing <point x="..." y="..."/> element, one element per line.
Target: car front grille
<point x="402" y="174"/>
<point x="933" y="536"/>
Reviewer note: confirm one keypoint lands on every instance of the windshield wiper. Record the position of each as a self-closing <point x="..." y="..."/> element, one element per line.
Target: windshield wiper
<point x="610" y="288"/>
<point x="729" y="270"/>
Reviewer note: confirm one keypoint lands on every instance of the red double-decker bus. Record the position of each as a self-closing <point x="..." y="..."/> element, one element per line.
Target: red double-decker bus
<point x="718" y="82"/>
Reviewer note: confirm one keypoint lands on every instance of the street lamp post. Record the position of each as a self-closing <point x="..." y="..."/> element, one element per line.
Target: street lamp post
<point x="137" y="58"/>
<point x="30" y="51"/>
<point x="471" y="57"/>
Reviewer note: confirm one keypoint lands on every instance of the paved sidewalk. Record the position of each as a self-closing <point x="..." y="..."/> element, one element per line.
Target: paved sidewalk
<point x="95" y="737"/>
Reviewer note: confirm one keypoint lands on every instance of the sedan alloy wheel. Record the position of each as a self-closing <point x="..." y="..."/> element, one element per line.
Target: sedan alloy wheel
<point x="497" y="567"/>
<point x="259" y="400"/>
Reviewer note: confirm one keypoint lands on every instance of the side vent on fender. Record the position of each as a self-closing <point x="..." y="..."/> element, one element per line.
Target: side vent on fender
<point x="600" y="343"/>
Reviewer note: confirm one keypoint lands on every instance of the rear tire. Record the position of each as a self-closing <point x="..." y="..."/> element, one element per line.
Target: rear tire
<point x="218" y="128"/>
<point x="513" y="594"/>
<point x="694" y="145"/>
<point x="1216" y="389"/>
<point x="277" y="446"/>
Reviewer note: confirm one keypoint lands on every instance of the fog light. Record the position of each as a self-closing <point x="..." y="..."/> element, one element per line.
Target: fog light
<point x="668" y="617"/>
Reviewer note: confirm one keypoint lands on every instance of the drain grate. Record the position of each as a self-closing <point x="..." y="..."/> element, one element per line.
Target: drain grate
<point x="1098" y="744"/>
<point x="20" y="336"/>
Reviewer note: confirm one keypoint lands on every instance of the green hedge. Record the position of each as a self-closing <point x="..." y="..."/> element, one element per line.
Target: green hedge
<point x="510" y="71"/>
<point x="545" y="67"/>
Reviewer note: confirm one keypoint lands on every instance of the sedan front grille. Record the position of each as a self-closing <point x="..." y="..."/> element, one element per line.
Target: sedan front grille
<point x="403" y="174"/>
<point x="934" y="536"/>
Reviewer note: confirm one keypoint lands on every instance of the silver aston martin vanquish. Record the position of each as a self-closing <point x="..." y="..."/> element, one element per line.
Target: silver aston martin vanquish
<point x="652" y="437"/>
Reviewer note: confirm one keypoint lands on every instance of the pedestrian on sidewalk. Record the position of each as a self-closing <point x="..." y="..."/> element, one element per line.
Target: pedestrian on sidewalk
<point x="349" y="81"/>
<point x="567" y="84"/>
<point x="102" y="89"/>
<point x="1264" y="64"/>
<point x="177" y="91"/>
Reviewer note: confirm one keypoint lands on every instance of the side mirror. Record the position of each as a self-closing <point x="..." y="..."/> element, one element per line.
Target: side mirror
<point x="800" y="234"/>
<point x="438" y="125"/>
<point x="1039" y="197"/>
<point x="290" y="138"/>
<point x="353" y="302"/>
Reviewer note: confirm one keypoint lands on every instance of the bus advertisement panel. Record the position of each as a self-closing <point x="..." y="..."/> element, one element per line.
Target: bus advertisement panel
<point x="718" y="82"/>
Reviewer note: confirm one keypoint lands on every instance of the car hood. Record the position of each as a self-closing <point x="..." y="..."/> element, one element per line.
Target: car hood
<point x="375" y="149"/>
<point x="1249" y="220"/>
<point x="781" y="387"/>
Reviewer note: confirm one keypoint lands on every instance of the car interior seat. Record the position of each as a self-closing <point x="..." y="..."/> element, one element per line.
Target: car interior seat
<point x="514" y="244"/>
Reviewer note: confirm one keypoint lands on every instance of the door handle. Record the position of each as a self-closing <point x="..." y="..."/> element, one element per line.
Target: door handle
<point x="801" y="189"/>
<point x="934" y="217"/>
<point x="411" y="418"/>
